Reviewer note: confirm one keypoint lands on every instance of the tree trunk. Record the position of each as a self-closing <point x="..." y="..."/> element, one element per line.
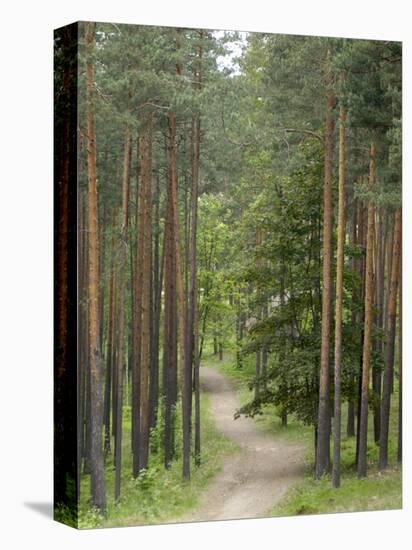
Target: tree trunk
<point x="215" y="346"/>
<point x="156" y="310"/>
<point x="265" y="367"/>
<point x="339" y="302"/>
<point x="380" y="282"/>
<point x="145" y="147"/>
<point x="102" y="243"/>
<point x="257" y="374"/>
<point x="170" y="315"/>
<point x="350" y="427"/>
<point x="122" y="314"/>
<point x="323" y="440"/>
<point x="191" y="343"/>
<point x="362" y="272"/>
<point x="110" y="333"/>
<point x="399" y="453"/>
<point x="137" y="329"/>
<point x="367" y="334"/>
<point x="98" y="494"/>
<point x="390" y="341"/>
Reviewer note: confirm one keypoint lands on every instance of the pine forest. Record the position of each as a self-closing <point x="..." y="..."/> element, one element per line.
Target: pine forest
<point x="238" y="275"/>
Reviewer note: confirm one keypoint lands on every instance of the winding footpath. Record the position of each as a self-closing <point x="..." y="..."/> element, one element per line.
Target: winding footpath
<point x="252" y="480"/>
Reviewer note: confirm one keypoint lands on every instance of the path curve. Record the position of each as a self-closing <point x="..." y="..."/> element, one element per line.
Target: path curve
<point x="252" y="480"/>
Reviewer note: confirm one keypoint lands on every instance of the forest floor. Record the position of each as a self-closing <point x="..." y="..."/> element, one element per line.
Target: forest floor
<point x="250" y="467"/>
<point x="379" y="491"/>
<point x="158" y="495"/>
<point x="252" y="480"/>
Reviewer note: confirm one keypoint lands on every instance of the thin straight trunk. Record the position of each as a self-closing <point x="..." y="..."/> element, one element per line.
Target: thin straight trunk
<point x="81" y="332"/>
<point x="102" y="241"/>
<point x="389" y="262"/>
<point x="146" y="180"/>
<point x="177" y="261"/>
<point x="239" y="333"/>
<point x="167" y="351"/>
<point x="257" y="374"/>
<point x="137" y="328"/>
<point x="390" y="341"/>
<point x="283" y="382"/>
<point x="339" y="302"/>
<point x="191" y="335"/>
<point x="157" y="296"/>
<point x="380" y="282"/>
<point x="171" y="306"/>
<point x="110" y="332"/>
<point x="362" y="272"/>
<point x="399" y="453"/>
<point x="85" y="371"/>
<point x="122" y="315"/>
<point x="98" y="493"/>
<point x="350" y="427"/>
<point x="115" y="350"/>
<point x="87" y="428"/>
<point x="389" y="251"/>
<point x="194" y="303"/>
<point x="323" y="440"/>
<point x="367" y="334"/>
<point x="196" y="381"/>
<point x="265" y="367"/>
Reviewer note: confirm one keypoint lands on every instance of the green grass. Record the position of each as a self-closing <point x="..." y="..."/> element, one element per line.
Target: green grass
<point x="379" y="491"/>
<point x="158" y="495"/>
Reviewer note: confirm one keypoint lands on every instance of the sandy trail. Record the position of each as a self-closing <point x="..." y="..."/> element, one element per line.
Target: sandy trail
<point x="252" y="480"/>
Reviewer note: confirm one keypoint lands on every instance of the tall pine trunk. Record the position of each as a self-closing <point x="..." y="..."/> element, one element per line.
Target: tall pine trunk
<point x="98" y="493"/>
<point x="339" y="302"/>
<point x="399" y="453"/>
<point x="156" y="311"/>
<point x="110" y="334"/>
<point x="380" y="282"/>
<point x="367" y="333"/>
<point x="171" y="305"/>
<point x="323" y="424"/>
<point x="146" y="180"/>
<point x="122" y="314"/>
<point x="191" y="372"/>
<point x="137" y="316"/>
<point x="390" y="341"/>
<point x="350" y="426"/>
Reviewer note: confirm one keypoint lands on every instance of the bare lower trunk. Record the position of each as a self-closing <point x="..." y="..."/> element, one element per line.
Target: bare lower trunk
<point x="146" y="180"/>
<point x="257" y="375"/>
<point x="380" y="281"/>
<point x="339" y="302"/>
<point x="110" y="347"/>
<point x="399" y="453"/>
<point x="390" y="341"/>
<point x="367" y="336"/>
<point x="122" y="314"/>
<point x="323" y="441"/>
<point x="98" y="495"/>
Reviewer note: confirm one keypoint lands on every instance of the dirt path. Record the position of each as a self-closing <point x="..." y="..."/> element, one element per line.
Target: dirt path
<point x="253" y="479"/>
